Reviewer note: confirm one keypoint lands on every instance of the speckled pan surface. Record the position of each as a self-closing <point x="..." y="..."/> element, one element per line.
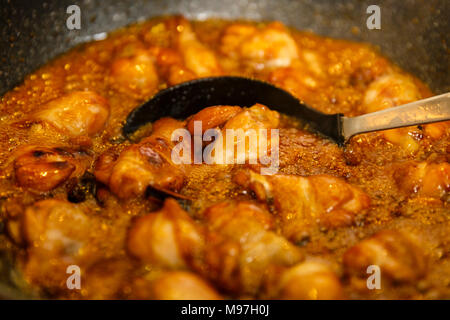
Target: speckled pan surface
<point x="414" y="34"/>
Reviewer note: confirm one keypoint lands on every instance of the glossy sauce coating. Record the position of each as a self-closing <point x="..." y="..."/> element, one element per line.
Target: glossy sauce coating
<point x="73" y="190"/>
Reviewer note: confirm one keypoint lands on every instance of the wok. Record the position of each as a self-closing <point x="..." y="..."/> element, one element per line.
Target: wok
<point x="414" y="34"/>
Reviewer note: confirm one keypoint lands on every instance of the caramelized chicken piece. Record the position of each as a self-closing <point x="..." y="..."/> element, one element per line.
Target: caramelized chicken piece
<point x="171" y="65"/>
<point x="260" y="48"/>
<point x="77" y="113"/>
<point x="58" y="234"/>
<point x="212" y="117"/>
<point x="11" y="211"/>
<point x="197" y="57"/>
<point x="393" y="90"/>
<point x="399" y="258"/>
<point x="44" y="168"/>
<point x="242" y="246"/>
<point x="182" y="285"/>
<point x="297" y="79"/>
<point x="310" y="280"/>
<point x="303" y="202"/>
<point x="136" y="72"/>
<point x="140" y="166"/>
<point x="104" y="165"/>
<point x="389" y="91"/>
<point x="257" y="116"/>
<point x="163" y="129"/>
<point x="167" y="238"/>
<point x="437" y="130"/>
<point x="233" y="252"/>
<point x="55" y="226"/>
<point x="424" y="178"/>
<point x="105" y="279"/>
<point x="403" y="137"/>
<point x="338" y="201"/>
<point x="246" y="128"/>
<point x="147" y="163"/>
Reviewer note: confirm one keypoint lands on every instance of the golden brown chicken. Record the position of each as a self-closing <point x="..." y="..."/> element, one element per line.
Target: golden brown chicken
<point x="305" y="202"/>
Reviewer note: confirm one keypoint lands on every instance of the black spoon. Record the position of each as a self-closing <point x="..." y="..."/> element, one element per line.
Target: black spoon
<point x="188" y="98"/>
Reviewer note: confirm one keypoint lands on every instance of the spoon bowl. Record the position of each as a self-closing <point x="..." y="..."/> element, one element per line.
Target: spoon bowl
<point x="190" y="97"/>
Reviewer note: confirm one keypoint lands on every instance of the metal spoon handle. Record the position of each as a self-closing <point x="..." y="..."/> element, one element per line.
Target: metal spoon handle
<point x="428" y="110"/>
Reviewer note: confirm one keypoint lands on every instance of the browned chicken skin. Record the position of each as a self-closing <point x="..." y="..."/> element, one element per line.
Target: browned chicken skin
<point x="58" y="234"/>
<point x="136" y="72"/>
<point x="425" y="179"/>
<point x="176" y="285"/>
<point x="310" y="280"/>
<point x="143" y="164"/>
<point x="165" y="238"/>
<point x="44" y="168"/>
<point x="77" y="113"/>
<point x="240" y="232"/>
<point x="304" y="202"/>
<point x="398" y="257"/>
<point x="246" y="230"/>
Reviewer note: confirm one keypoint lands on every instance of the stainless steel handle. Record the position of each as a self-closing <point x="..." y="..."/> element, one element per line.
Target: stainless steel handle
<point x="419" y="112"/>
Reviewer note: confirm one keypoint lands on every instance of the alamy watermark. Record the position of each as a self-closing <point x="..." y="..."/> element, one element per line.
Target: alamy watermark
<point x="73" y="22"/>
<point x="374" y="20"/>
<point x="74" y="280"/>
<point x="374" y="280"/>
